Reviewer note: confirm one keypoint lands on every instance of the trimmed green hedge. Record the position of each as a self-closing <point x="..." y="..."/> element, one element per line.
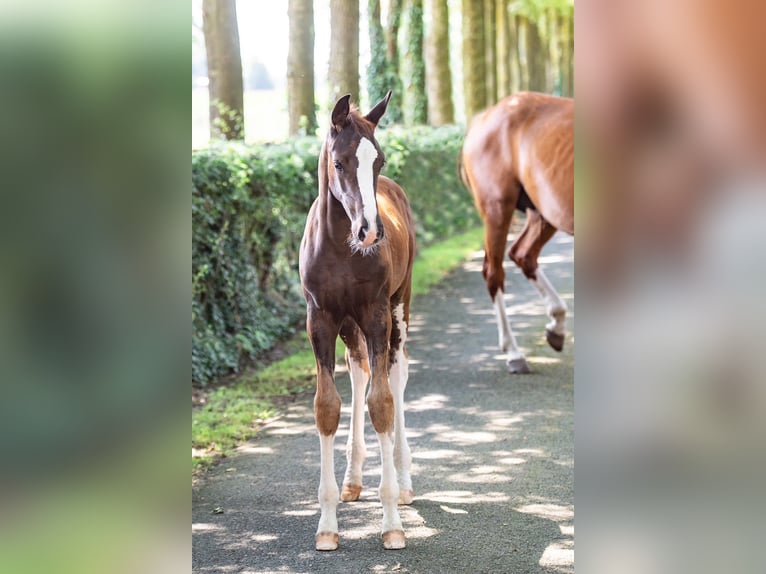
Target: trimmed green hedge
<point x="249" y="206"/>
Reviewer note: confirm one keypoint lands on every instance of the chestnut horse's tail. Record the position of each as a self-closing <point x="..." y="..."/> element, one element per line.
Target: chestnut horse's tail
<point x="461" y="168"/>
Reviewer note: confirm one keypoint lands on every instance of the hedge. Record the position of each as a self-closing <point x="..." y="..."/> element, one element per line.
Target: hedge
<point x="249" y="206"/>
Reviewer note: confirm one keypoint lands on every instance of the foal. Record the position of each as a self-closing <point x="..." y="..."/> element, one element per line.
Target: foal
<point x="519" y="154"/>
<point x="356" y="269"/>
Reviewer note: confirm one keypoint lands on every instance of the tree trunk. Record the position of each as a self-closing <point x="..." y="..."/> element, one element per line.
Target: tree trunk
<point x="474" y="65"/>
<point x="503" y="51"/>
<point x="514" y="66"/>
<point x="300" y="67"/>
<point x="536" y="58"/>
<point x="490" y="58"/>
<point x="394" y="109"/>
<point x="522" y="25"/>
<point x="441" y="110"/>
<point x="224" y="68"/>
<point x="343" y="72"/>
<point x="413" y="66"/>
<point x="566" y="27"/>
<point x="377" y="69"/>
<point x="554" y="54"/>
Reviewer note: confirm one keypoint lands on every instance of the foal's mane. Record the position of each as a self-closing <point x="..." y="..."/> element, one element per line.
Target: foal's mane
<point x="356" y="117"/>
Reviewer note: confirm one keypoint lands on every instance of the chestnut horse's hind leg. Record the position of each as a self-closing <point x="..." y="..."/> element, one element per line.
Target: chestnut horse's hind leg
<point x="524" y="252"/>
<point x="497" y="220"/>
<point x="555" y="330"/>
<point x="359" y="371"/>
<point x="398" y="374"/>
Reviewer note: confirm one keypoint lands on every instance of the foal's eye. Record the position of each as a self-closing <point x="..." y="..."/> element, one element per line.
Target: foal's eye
<point x="338" y="165"/>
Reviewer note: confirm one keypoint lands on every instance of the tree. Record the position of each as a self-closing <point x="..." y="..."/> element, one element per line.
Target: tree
<point x="537" y="54"/>
<point x="490" y="57"/>
<point x="378" y="74"/>
<point x="414" y="69"/>
<point x="300" y="67"/>
<point x="224" y="68"/>
<point x="474" y="65"/>
<point x="394" y="110"/>
<point x="441" y="110"/>
<point x="343" y="73"/>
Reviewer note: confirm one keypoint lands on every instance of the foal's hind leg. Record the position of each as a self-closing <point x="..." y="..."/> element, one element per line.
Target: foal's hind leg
<point x="497" y="220"/>
<point x="359" y="371"/>
<point x="398" y="374"/>
<point x="524" y="252"/>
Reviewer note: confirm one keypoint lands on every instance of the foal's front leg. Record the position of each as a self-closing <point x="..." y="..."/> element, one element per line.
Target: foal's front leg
<point x="322" y="331"/>
<point x="380" y="403"/>
<point x="359" y="372"/>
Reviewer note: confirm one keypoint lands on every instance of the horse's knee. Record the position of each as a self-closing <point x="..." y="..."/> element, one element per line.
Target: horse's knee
<point x="494" y="277"/>
<point x="524" y="260"/>
<point x="380" y="404"/>
<point x="327" y="411"/>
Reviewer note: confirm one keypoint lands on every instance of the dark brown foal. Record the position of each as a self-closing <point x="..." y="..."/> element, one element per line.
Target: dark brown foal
<point x="356" y="269"/>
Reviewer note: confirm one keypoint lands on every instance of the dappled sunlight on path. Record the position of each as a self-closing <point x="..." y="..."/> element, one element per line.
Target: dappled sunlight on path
<point x="492" y="454"/>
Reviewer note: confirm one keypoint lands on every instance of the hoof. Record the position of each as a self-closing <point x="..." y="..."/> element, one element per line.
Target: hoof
<point x="518" y="366"/>
<point x="350" y="492"/>
<point x="555" y="340"/>
<point x="326" y="541"/>
<point x="394" y="540"/>
<point x="406" y="496"/>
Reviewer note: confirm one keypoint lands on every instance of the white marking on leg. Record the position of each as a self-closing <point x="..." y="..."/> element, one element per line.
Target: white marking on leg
<point x="328" y="487"/>
<point x="389" y="489"/>
<point x="356" y="450"/>
<point x="367" y="154"/>
<point x="506" y="339"/>
<point x="554" y="305"/>
<point x="398" y="376"/>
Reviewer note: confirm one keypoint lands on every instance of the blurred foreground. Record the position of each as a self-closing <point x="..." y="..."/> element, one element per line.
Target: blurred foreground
<point x="670" y="394"/>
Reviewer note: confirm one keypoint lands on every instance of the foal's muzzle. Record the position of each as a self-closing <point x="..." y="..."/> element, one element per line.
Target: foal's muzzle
<point x="369" y="237"/>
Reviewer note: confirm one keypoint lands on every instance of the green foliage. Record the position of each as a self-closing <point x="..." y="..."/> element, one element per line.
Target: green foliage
<point x="423" y="160"/>
<point x="416" y="68"/>
<point x="377" y="69"/>
<point x="249" y="206"/>
<point x="534" y="9"/>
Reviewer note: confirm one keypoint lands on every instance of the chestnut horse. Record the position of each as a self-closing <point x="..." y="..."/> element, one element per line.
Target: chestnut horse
<point x="356" y="270"/>
<point x="519" y="154"/>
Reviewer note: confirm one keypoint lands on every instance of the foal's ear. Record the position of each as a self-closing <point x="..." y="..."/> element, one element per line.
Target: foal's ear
<point x="340" y="112"/>
<point x="380" y="108"/>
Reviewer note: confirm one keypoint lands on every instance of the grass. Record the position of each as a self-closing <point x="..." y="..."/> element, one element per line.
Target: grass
<point x="233" y="413"/>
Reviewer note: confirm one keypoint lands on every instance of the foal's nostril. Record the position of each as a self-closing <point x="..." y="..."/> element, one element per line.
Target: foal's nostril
<point x="363" y="230"/>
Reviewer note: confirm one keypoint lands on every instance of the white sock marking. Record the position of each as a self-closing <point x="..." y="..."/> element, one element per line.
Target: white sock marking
<point x="554" y="305"/>
<point x="506" y="339"/>
<point x="356" y="450"/>
<point x="328" y="487"/>
<point x="398" y="382"/>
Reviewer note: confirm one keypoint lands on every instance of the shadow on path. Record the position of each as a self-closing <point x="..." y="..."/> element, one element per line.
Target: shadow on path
<point x="493" y="458"/>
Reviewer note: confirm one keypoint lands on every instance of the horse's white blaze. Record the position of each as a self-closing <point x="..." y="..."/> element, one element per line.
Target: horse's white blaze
<point x="554" y="305"/>
<point x="398" y="382"/>
<point x="356" y="451"/>
<point x="506" y="339"/>
<point x="367" y="154"/>
<point x="328" y="487"/>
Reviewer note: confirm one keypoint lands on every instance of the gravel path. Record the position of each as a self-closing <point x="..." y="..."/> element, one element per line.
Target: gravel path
<point x="493" y="454"/>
